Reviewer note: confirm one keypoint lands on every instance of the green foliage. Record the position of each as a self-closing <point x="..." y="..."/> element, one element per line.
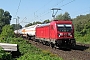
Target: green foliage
<point x="5" y="55"/>
<point x="59" y="17"/>
<point x="37" y="56"/>
<point x="30" y="24"/>
<point x="30" y="52"/>
<point x="7" y="31"/>
<point x="5" y="18"/>
<point x="38" y="22"/>
<point x="82" y="28"/>
<point x="16" y="26"/>
<point x="34" y="23"/>
<point x="83" y="37"/>
<point x="46" y="21"/>
<point x="81" y="22"/>
<point x="65" y="16"/>
<point x="83" y="32"/>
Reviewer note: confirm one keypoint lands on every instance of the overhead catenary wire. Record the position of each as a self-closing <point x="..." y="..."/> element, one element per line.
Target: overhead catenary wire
<point x="44" y="6"/>
<point x="52" y="6"/>
<point x="35" y="15"/>
<point x="47" y="12"/>
<point x="81" y="12"/>
<point x="44" y="13"/>
<point x="17" y="17"/>
<point x="59" y="7"/>
<point x="23" y="20"/>
<point x="59" y="3"/>
<point x="18" y="8"/>
<point x="68" y="3"/>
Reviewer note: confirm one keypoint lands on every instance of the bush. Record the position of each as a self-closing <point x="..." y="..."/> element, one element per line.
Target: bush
<point x="5" y="55"/>
<point x="7" y="31"/>
<point x="83" y="38"/>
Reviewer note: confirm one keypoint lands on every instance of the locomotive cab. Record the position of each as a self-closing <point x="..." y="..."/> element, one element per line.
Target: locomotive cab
<point x="65" y="34"/>
<point x="65" y="31"/>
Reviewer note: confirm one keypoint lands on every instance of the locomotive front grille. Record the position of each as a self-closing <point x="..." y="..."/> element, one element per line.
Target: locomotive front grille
<point x="65" y="35"/>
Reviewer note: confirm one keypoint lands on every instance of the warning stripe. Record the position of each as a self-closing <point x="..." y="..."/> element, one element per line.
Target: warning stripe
<point x="27" y="30"/>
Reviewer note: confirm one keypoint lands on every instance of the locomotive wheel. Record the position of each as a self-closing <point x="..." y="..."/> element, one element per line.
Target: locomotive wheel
<point x="28" y="38"/>
<point x="47" y="43"/>
<point x="43" y="42"/>
<point x="52" y="45"/>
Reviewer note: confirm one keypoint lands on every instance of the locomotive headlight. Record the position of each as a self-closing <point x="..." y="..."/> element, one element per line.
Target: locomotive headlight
<point x="69" y="34"/>
<point x="61" y="34"/>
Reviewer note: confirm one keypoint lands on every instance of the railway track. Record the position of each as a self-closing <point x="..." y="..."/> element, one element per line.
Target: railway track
<point x="79" y="52"/>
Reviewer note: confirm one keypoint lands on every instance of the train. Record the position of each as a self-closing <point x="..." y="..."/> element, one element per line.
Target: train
<point x="57" y="33"/>
<point x="26" y="32"/>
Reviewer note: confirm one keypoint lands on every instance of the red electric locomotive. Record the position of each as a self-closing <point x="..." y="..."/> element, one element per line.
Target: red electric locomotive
<point x="57" y="33"/>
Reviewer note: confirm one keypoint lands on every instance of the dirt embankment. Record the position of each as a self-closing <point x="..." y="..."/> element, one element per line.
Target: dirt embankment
<point x="80" y="52"/>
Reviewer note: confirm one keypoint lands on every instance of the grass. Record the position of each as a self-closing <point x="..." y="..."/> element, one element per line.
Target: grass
<point x="30" y="52"/>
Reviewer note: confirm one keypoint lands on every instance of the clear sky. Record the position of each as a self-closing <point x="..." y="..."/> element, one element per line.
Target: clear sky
<point x="39" y="10"/>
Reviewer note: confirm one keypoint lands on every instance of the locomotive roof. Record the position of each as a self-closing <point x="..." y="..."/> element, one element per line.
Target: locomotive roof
<point x="32" y="26"/>
<point x="57" y="21"/>
<point x="63" y="21"/>
<point x="43" y="25"/>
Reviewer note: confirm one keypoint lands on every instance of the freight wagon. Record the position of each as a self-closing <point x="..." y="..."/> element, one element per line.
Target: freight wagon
<point x="27" y="32"/>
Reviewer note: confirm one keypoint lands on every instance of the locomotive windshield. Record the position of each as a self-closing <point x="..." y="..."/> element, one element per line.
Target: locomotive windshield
<point x="64" y="27"/>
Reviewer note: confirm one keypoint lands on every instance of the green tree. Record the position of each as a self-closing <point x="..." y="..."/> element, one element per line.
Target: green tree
<point x="5" y="18"/>
<point x="37" y="22"/>
<point x="59" y="17"/>
<point x="46" y="21"/>
<point x="18" y="26"/>
<point x="82" y="22"/>
<point x="64" y="16"/>
<point x="28" y="24"/>
<point x="34" y="23"/>
<point x="1" y="19"/>
<point x="7" y="32"/>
